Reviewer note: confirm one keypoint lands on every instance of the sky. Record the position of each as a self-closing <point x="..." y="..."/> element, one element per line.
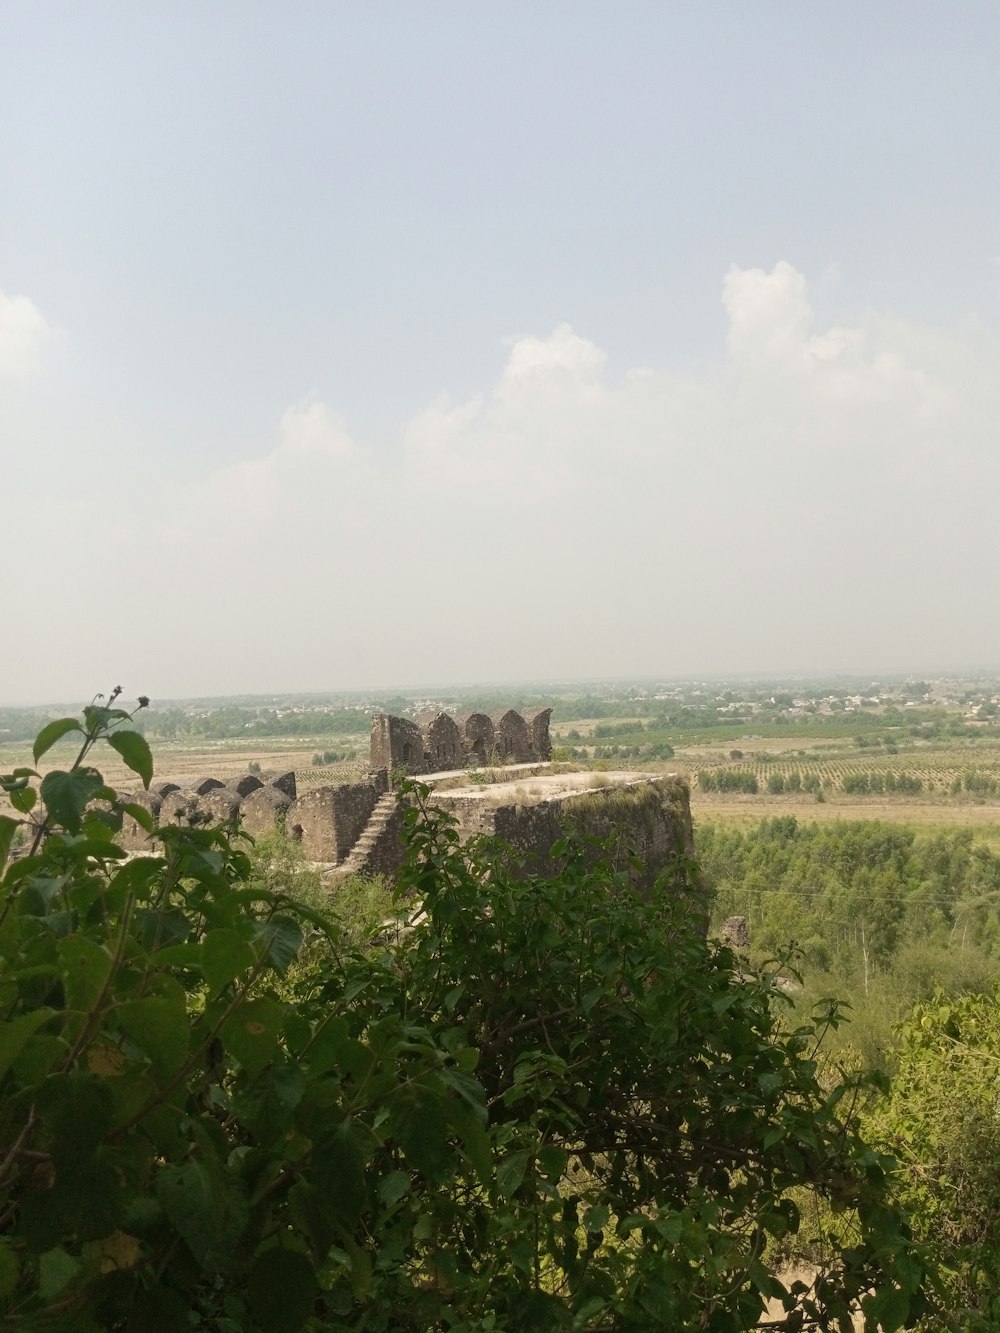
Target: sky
<point x="350" y="345"/>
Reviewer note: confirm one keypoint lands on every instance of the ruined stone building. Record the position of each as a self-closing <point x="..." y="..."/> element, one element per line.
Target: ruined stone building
<point x="356" y="827"/>
<point x="437" y="742"/>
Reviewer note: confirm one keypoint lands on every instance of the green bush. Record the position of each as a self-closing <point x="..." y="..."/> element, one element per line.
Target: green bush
<point x="542" y="1104"/>
<point x="323" y="757"/>
<point x="941" y="1121"/>
<point x="728" y="779"/>
<point x="191" y="1135"/>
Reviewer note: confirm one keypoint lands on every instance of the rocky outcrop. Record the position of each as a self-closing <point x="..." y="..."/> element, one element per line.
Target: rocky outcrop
<point x="735" y="933"/>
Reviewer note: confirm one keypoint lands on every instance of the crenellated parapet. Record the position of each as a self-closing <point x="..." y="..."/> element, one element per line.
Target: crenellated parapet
<point x="476" y="730"/>
<point x="329" y="821"/>
<point x="356" y="827"/>
<point x="326" y="821"/>
<point x="258" y="804"/>
<point x="335" y="824"/>
<point x="537" y="721"/>
<point x="438" y="742"/>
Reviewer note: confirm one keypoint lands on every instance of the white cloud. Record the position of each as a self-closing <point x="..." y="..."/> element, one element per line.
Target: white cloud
<point x="822" y="498"/>
<point x="555" y="426"/>
<point x="561" y="355"/>
<point x="815" y="500"/>
<point x="833" y="389"/>
<point x="271" y="501"/>
<point x="23" y="334"/>
<point x="541" y="417"/>
<point x="312" y="428"/>
<point x="769" y="316"/>
<point x="427" y="439"/>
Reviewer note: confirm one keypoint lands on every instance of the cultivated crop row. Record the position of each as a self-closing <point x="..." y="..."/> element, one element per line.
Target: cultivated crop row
<point x="848" y="776"/>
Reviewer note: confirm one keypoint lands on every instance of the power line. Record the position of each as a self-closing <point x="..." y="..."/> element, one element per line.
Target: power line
<point x="816" y="895"/>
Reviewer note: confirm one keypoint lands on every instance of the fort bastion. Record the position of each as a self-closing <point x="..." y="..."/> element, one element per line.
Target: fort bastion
<point x="491" y="772"/>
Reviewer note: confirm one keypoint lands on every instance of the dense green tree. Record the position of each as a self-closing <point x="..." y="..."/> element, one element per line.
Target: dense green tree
<point x="531" y="1103"/>
<point x="941" y="1120"/>
<point x="880" y="913"/>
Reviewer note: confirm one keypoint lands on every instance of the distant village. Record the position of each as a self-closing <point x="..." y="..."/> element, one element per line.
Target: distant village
<point x="975" y="700"/>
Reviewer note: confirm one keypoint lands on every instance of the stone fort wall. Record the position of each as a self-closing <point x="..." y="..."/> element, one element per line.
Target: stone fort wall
<point x="436" y="742"/>
<point x="644" y="825"/>
<point x="356" y="827"/>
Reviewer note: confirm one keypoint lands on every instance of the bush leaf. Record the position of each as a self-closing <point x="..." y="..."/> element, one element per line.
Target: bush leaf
<point x="22" y="798"/>
<point x="282" y="1290"/>
<point x="134" y="750"/>
<point x="66" y="795"/>
<point x="8" y="827"/>
<point x="195" y="1203"/>
<point x="225" y="955"/>
<point x="16" y="1032"/>
<point x="53" y="731"/>
<point x="282" y="939"/>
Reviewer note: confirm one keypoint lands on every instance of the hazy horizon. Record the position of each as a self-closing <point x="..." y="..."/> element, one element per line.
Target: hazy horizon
<point x="540" y="686"/>
<point x="572" y="341"/>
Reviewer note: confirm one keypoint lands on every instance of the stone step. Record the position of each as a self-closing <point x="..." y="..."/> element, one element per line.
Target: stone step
<point x="377" y="821"/>
<point x="385" y="811"/>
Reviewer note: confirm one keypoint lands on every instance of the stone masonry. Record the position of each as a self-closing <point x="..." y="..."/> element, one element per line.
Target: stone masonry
<point x="438" y="742"/>
<point x="356" y="827"/>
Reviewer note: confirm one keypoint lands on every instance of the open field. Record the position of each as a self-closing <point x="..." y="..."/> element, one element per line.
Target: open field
<point x="936" y="805"/>
<point x="938" y="768"/>
<point x="807" y="754"/>
<point x="903" y="753"/>
<point x="895" y="777"/>
<point x="181" y="763"/>
<point x="929" y="816"/>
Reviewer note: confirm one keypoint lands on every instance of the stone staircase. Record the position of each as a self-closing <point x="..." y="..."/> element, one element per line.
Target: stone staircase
<point x="377" y="850"/>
